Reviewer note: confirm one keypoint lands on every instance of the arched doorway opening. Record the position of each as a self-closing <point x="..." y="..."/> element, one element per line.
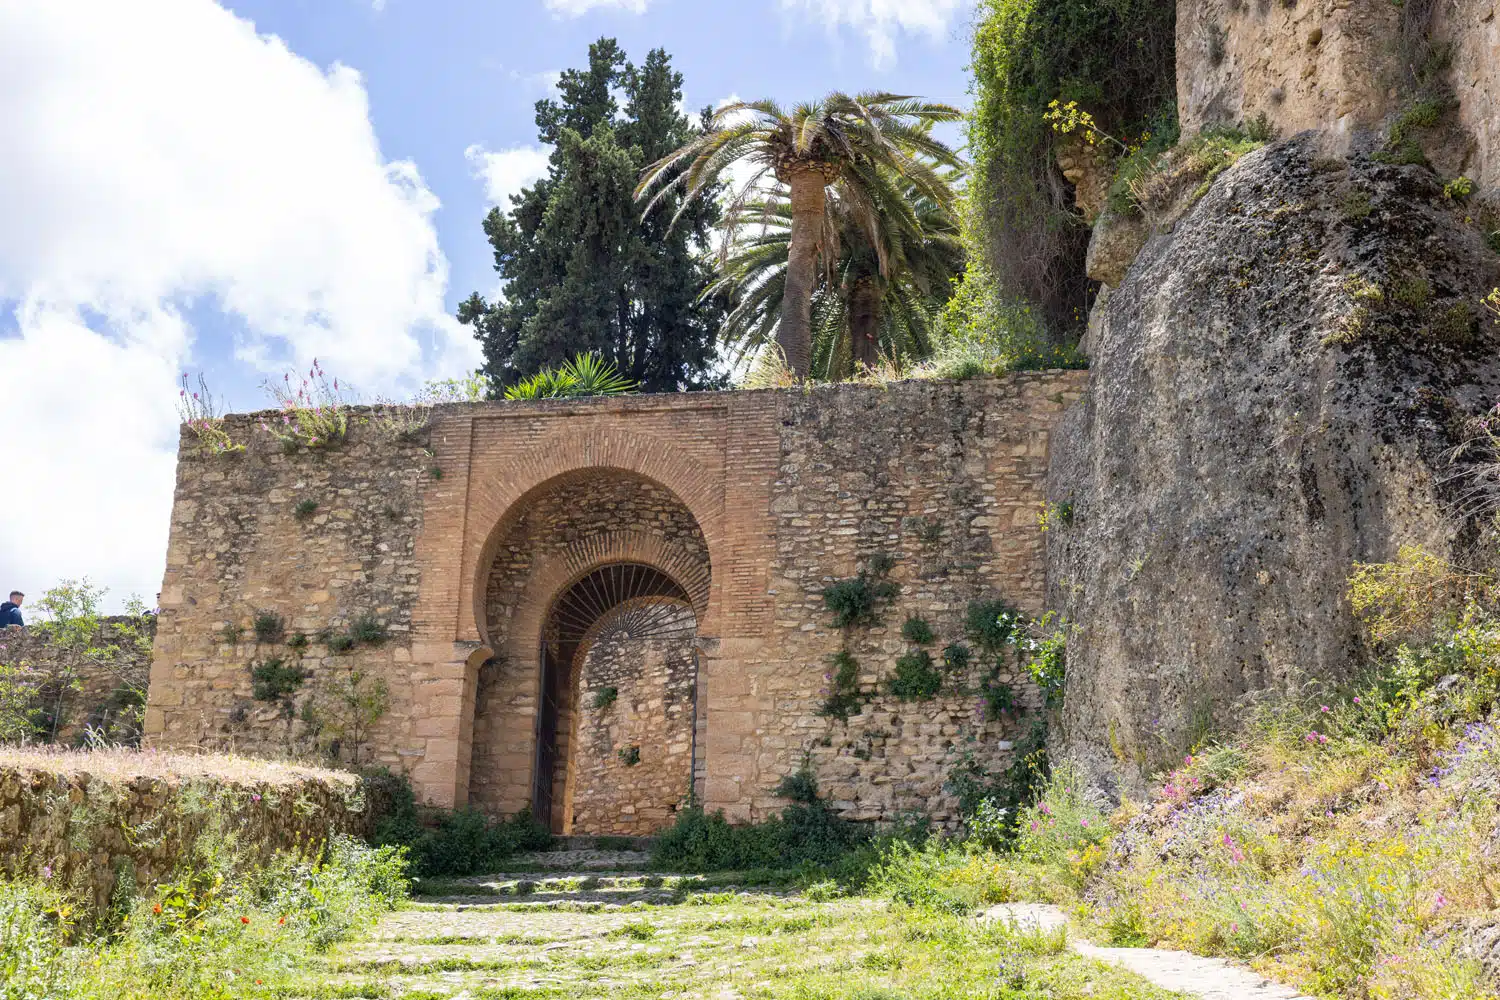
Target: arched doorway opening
<point x="616" y="727"/>
<point x="591" y="714"/>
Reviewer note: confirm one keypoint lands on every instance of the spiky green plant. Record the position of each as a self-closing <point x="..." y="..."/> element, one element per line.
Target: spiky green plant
<point x="585" y="375"/>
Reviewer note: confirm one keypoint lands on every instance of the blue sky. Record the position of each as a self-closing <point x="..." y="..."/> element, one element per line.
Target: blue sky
<point x="446" y="75"/>
<point x="238" y="187"/>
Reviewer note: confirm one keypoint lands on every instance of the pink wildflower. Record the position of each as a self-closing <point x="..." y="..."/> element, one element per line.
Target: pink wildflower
<point x="1323" y="708"/>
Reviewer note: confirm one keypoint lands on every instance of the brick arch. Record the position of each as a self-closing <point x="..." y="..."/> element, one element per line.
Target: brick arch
<point x="580" y="559"/>
<point x="497" y="501"/>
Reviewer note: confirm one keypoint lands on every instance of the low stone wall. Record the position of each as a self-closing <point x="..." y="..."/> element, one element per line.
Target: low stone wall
<point x="89" y="820"/>
<point x="99" y="685"/>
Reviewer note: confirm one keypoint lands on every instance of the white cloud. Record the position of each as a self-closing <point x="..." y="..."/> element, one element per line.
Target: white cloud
<point x="577" y="8"/>
<point x="882" y="20"/>
<point x="162" y="156"/>
<point x="505" y="173"/>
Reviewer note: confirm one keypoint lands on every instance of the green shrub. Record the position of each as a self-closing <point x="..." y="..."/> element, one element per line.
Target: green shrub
<point x="806" y="833"/>
<point x="857" y="601"/>
<point x="1116" y="59"/>
<point x="1045" y="651"/>
<point x="917" y="630"/>
<point x="297" y="641"/>
<point x="991" y="624"/>
<point x="273" y="678"/>
<point x="956" y="657"/>
<point x="799" y="786"/>
<point x="629" y="756"/>
<point x="338" y="642"/>
<point x="999" y="698"/>
<point x="843" y="701"/>
<point x="305" y="509"/>
<point x="269" y="627"/>
<point x="605" y="697"/>
<point x="447" y="843"/>
<point x="915" y="678"/>
<point x="366" y="628"/>
<point x="1011" y="789"/>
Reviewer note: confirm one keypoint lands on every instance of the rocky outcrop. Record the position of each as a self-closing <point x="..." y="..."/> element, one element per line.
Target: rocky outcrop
<point x="1324" y="64"/>
<point x="1339" y="66"/>
<point x="1277" y="387"/>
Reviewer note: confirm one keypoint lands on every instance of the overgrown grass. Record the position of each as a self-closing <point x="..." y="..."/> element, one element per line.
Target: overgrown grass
<point x="1341" y="841"/>
<point x="218" y="930"/>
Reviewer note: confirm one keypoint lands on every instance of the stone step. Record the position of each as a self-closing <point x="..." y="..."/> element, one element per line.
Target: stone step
<point x="584" y="859"/>
<point x="592" y="843"/>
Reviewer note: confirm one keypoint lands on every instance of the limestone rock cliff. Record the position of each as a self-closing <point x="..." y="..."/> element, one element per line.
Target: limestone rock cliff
<point x="1277" y="386"/>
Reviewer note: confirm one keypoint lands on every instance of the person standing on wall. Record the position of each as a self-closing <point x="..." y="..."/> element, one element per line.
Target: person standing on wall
<point x="10" y="611"/>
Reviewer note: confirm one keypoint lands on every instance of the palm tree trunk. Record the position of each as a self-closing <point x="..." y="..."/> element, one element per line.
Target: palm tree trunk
<point x="864" y="321"/>
<point x="794" y="336"/>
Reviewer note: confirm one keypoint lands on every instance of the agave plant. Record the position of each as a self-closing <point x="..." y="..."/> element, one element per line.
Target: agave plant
<point x="585" y="375"/>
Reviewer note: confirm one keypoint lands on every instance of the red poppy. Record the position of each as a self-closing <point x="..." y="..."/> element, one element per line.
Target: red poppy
<point x="156" y="908"/>
<point x="244" y="920"/>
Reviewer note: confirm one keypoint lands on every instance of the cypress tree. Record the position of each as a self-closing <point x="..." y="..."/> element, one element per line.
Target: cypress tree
<point x="581" y="270"/>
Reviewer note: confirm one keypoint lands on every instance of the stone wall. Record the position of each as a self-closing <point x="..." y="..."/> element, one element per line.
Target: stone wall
<point x="948" y="479"/>
<point x="633" y="765"/>
<point x="317" y="538"/>
<point x="1337" y="66"/>
<point x="88" y="819"/>
<point x="98" y="683"/>
<point x="461" y="543"/>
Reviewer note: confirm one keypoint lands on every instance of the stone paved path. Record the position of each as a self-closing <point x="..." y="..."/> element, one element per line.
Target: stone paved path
<point x="1208" y="978"/>
<point x="586" y="924"/>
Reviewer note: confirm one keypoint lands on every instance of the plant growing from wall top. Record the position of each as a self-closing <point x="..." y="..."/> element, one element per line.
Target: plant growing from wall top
<point x="314" y="412"/>
<point x="584" y="375"/>
<point x="200" y="414"/>
<point x="858" y="601"/>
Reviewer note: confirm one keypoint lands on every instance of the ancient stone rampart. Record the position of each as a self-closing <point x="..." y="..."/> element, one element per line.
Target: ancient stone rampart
<point x="97" y="682"/>
<point x="441" y="567"/>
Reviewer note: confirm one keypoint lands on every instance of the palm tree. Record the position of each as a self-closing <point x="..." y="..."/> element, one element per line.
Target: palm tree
<point x="840" y="139"/>
<point x="884" y="269"/>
